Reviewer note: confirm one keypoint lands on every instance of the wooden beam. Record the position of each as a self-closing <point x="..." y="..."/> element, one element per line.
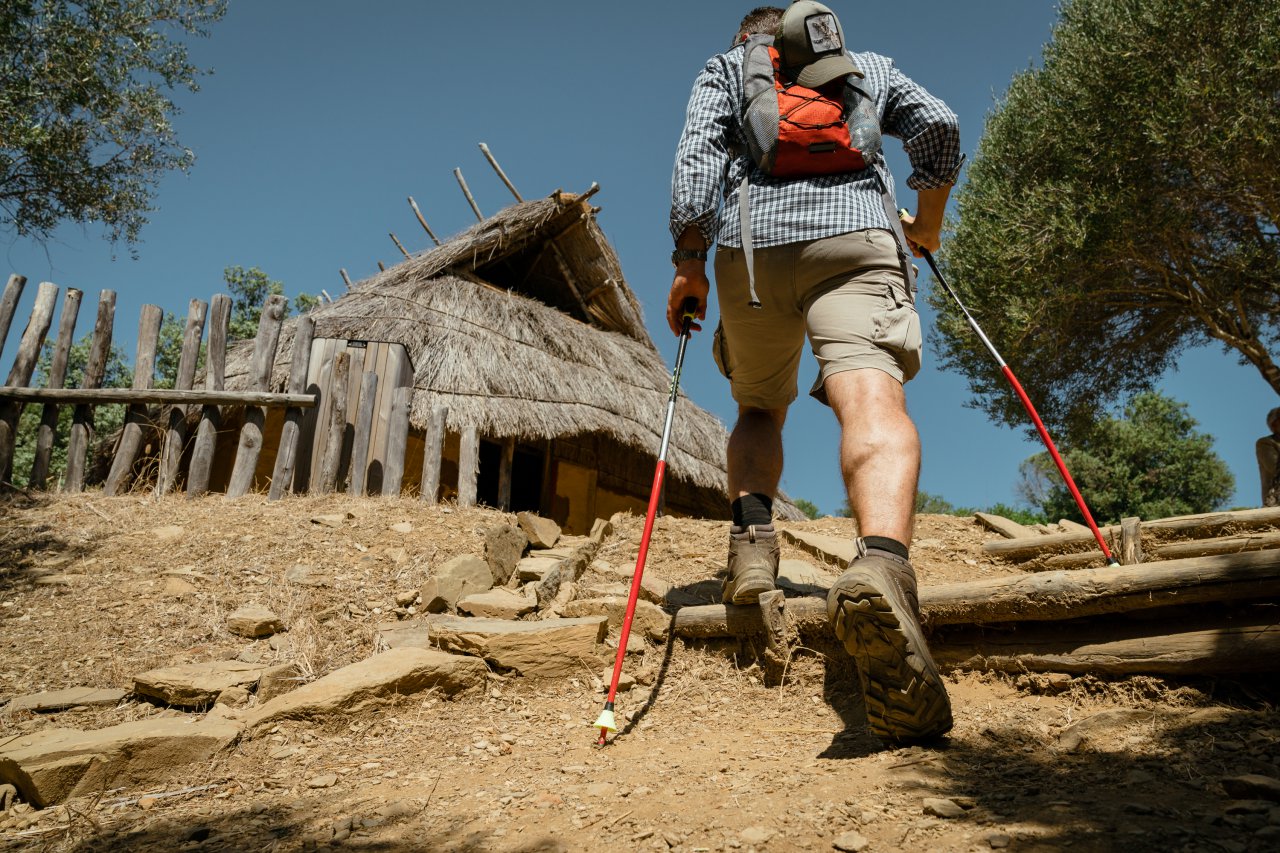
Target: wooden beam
<point x="433" y="453"/>
<point x="144" y="372"/>
<point x="153" y="396"/>
<point x="501" y="174"/>
<point x="57" y="377"/>
<point x="82" y="427"/>
<point x="176" y="436"/>
<point x="346" y="279"/>
<point x="264" y="359"/>
<point x="423" y="222"/>
<point x="287" y="454"/>
<point x="466" y="191"/>
<point x="397" y="441"/>
<point x="1005" y="527"/>
<point x="504" y="473"/>
<point x="396" y="240"/>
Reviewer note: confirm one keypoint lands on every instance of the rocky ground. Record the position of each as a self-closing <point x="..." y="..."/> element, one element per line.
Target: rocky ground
<point x="714" y="754"/>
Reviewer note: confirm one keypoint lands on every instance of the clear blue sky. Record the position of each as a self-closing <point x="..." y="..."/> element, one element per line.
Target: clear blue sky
<point x="320" y="118"/>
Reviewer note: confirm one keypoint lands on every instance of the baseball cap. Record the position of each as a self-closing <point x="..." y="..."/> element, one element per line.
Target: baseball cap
<point x="811" y="45"/>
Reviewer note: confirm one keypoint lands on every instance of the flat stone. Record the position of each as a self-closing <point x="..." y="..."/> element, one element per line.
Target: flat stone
<point x="454" y="580"/>
<point x="941" y="807"/>
<point x="626" y="680"/>
<point x="997" y="840"/>
<point x="253" y="621"/>
<point x="409" y="634"/>
<point x="536" y="568"/>
<point x="851" y="842"/>
<point x="372" y="682"/>
<point x="1070" y="738"/>
<point x="803" y="578"/>
<point x="548" y="589"/>
<point x="195" y="685"/>
<point x="549" y="648"/>
<point x="168" y="533"/>
<point x="60" y="700"/>
<point x="542" y="532"/>
<point x="402" y="527"/>
<point x="278" y="680"/>
<point x="303" y="575"/>
<point x="503" y="547"/>
<point x="497" y="604"/>
<point x="331" y="520"/>
<point x="54" y="764"/>
<point x="1252" y="786"/>
<point x="600" y="530"/>
<point x="178" y="588"/>
<point x="649" y="619"/>
<point x="326" y="780"/>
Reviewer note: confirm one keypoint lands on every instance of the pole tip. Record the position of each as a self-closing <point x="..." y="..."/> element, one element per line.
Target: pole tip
<point x="606" y="721"/>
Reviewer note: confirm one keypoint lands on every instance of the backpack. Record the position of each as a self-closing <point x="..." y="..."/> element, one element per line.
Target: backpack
<point x="792" y="131"/>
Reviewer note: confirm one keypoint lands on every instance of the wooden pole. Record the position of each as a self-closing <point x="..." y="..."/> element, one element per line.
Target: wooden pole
<point x="504" y="473"/>
<point x="264" y="359"/>
<point x="24" y="365"/>
<point x="176" y="436"/>
<point x="57" y="378"/>
<point x="95" y="369"/>
<point x="154" y="396"/>
<point x="360" y="442"/>
<point x="468" y="466"/>
<point x="346" y="279"/>
<point x="1130" y="541"/>
<point x="329" y="474"/>
<point x="9" y="304"/>
<point x="381" y="266"/>
<point x="423" y="222"/>
<point x="215" y="372"/>
<point x="466" y="191"/>
<point x="287" y="456"/>
<point x="144" y="373"/>
<point x="396" y="240"/>
<point x="433" y="454"/>
<point x="501" y="174"/>
<point x="397" y="441"/>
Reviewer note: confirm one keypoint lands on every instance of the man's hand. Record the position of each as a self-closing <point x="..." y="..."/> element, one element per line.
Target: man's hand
<point x="924" y="230"/>
<point x="690" y="282"/>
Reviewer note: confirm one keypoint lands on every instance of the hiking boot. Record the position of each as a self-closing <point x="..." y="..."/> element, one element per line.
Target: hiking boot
<point x="875" y="612"/>
<point x="753" y="563"/>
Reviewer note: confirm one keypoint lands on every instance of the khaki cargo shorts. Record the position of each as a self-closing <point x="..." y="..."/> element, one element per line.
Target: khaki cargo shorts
<point x="846" y="293"/>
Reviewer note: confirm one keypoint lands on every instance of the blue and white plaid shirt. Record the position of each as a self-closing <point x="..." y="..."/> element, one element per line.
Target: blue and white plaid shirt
<point x="707" y="173"/>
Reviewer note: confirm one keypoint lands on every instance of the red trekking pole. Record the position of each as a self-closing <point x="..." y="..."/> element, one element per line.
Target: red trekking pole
<point x="1026" y="402"/>
<point x="606" y="721"/>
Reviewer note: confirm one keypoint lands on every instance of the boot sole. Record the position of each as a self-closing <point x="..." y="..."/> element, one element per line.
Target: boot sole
<point x="904" y="694"/>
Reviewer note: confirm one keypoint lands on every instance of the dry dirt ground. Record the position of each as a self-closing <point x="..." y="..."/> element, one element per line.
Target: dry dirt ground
<point x="713" y="758"/>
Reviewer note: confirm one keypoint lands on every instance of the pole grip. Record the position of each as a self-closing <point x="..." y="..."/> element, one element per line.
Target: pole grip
<point x="688" y="313"/>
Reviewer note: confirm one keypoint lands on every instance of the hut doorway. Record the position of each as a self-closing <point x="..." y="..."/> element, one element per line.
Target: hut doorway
<point x="527" y="465"/>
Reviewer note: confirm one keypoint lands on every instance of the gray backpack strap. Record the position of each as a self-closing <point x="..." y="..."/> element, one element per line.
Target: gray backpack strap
<point x="891" y="211"/>
<point x="744" y="221"/>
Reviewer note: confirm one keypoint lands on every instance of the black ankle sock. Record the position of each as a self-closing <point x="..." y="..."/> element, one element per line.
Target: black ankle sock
<point x="884" y="543"/>
<point x="754" y="508"/>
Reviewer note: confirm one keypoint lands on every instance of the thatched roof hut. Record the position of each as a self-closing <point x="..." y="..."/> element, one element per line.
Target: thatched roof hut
<point x="523" y="327"/>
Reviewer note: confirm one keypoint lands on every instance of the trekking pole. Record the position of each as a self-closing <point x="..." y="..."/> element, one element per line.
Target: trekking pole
<point x="606" y="722"/>
<point x="1026" y="402"/>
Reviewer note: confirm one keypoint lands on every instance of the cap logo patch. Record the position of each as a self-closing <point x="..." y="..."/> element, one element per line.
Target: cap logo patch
<point x="824" y="33"/>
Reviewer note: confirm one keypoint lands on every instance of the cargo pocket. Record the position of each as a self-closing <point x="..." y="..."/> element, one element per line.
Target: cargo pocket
<point x="896" y="328"/>
<point x="720" y="351"/>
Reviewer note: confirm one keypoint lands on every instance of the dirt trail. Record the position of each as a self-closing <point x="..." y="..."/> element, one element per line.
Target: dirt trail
<point x="93" y="591"/>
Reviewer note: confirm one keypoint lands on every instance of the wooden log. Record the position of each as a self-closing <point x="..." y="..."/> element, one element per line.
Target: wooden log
<point x="144" y="372"/>
<point x="357" y="485"/>
<point x="215" y="373"/>
<point x="1052" y="596"/>
<point x="397" y="441"/>
<point x="332" y="459"/>
<point x="287" y="455"/>
<point x="152" y="396"/>
<point x="501" y="174"/>
<point x="82" y="428"/>
<point x="399" y="245"/>
<point x="1182" y="550"/>
<point x="1228" y="650"/>
<point x="466" y="191"/>
<point x="264" y="358"/>
<point x="24" y="365"/>
<point x="468" y="466"/>
<point x="57" y="378"/>
<point x="9" y="304"/>
<point x="423" y="222"/>
<point x="1005" y="527"/>
<point x="1188" y="525"/>
<point x="346" y="279"/>
<point x="505" y="465"/>
<point x="175" y="436"/>
<point x="1130" y="541"/>
<point x="773" y="615"/>
<point x="1070" y="526"/>
<point x="433" y="453"/>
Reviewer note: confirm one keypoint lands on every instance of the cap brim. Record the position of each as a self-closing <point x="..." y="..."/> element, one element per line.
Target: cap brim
<point x="827" y="69"/>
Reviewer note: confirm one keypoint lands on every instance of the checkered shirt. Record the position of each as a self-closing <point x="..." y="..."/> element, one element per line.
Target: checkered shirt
<point x="707" y="173"/>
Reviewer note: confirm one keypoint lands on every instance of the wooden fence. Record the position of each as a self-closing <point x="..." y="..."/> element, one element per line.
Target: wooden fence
<point x="213" y="400"/>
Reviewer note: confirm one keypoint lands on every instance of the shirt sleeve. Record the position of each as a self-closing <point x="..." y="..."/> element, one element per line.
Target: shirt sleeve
<point x="929" y="130"/>
<point x="702" y="156"/>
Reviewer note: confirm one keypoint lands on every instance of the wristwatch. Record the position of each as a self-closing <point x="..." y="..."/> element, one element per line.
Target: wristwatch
<point x="688" y="255"/>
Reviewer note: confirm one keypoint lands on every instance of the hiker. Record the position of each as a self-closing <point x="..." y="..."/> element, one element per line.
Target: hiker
<point x="1268" y="450"/>
<point x="820" y="256"/>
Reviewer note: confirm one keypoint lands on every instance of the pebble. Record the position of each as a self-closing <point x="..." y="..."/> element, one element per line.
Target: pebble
<point x="940" y="807"/>
<point x="851" y="842"/>
<point x="402" y="527"/>
<point x="328" y="780"/>
<point x="997" y="840"/>
<point x="755" y="835"/>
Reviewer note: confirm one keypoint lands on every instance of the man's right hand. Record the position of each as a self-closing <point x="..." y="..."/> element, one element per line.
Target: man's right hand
<point x="690" y="282"/>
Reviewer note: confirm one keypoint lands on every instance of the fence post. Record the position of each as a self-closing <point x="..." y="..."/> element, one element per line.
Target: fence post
<point x="357" y="485"/>
<point x="287" y="456"/>
<point x="24" y="366"/>
<point x="144" y="373"/>
<point x="215" y="372"/>
<point x="82" y="421"/>
<point x="175" y="437"/>
<point x="9" y="304"/>
<point x="433" y="454"/>
<point x="264" y="358"/>
<point x="397" y="441"/>
<point x="329" y="474"/>
<point x="468" y="466"/>
<point x="57" y="378"/>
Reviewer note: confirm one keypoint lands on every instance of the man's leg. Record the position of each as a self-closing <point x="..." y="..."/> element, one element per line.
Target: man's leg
<point x="755" y="467"/>
<point x="874" y="606"/>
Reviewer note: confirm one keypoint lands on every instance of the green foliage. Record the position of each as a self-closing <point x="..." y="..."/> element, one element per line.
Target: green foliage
<point x="1121" y="207"/>
<point x="85" y="117"/>
<point x="809" y="508"/>
<point x="932" y="504"/>
<point x="928" y="503"/>
<point x="1150" y="463"/>
<point x="107" y="420"/>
